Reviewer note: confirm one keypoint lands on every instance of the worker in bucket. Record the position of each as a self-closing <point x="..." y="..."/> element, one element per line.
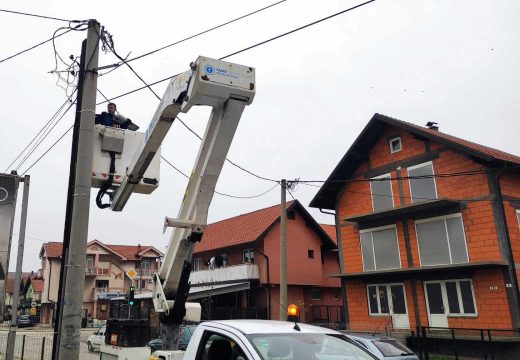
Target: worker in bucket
<point x="111" y="118"/>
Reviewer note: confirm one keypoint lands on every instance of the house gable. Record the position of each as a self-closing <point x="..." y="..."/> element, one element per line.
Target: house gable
<point x="375" y="136"/>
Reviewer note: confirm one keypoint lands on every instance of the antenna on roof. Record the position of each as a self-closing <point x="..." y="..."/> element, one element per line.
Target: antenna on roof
<point x="432" y="125"/>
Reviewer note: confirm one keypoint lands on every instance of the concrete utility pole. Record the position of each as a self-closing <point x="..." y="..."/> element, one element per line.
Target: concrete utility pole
<point x="11" y="338"/>
<point x="68" y="323"/>
<point x="283" y="254"/>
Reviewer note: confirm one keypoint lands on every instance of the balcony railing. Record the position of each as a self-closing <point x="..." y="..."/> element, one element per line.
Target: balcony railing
<point x="95" y="271"/>
<point x="241" y="272"/>
<point x="145" y="272"/>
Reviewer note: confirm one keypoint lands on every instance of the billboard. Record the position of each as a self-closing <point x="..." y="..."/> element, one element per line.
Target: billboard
<point x="8" y="191"/>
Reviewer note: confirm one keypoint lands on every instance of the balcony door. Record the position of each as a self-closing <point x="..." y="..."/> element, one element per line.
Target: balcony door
<point x="437" y="314"/>
<point x="389" y="299"/>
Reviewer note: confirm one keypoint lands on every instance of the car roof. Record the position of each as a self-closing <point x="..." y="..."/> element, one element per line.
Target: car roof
<point x="369" y="336"/>
<point x="248" y="327"/>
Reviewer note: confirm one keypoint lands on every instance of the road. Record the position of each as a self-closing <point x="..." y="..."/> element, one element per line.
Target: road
<point x="31" y="341"/>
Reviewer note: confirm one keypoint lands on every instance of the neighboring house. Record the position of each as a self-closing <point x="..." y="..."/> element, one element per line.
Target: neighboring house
<point x="9" y="290"/>
<point x="105" y="269"/>
<point x="30" y="299"/>
<point x="247" y="248"/>
<point x="426" y="247"/>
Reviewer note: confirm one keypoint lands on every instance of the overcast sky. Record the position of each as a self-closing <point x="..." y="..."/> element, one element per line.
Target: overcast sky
<point x="453" y="62"/>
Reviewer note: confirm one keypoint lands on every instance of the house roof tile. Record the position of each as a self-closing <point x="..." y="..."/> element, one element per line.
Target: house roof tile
<point x="330" y="230"/>
<point x="249" y="227"/>
<point x="241" y="229"/>
<point x="128" y="252"/>
<point x="326" y="196"/>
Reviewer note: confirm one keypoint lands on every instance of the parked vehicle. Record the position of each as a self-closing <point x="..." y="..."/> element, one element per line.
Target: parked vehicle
<point x="184" y="338"/>
<point x="265" y="339"/>
<point x="95" y="340"/>
<point x="24" y="321"/>
<point x="385" y="348"/>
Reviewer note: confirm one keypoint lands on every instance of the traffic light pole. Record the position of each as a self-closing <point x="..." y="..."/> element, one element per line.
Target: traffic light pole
<point x="72" y="277"/>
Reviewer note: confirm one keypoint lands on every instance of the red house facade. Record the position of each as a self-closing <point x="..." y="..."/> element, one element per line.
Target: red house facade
<point x="428" y="229"/>
<point x="247" y="282"/>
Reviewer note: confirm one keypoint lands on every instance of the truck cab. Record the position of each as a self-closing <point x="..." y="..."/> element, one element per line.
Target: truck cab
<point x="264" y="340"/>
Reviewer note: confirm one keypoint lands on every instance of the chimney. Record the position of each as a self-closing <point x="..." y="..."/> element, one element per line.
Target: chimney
<point x="432" y="125"/>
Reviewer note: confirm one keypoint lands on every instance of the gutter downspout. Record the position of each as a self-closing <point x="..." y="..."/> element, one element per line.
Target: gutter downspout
<point x="268" y="284"/>
<point x="513" y="293"/>
<point x="341" y="265"/>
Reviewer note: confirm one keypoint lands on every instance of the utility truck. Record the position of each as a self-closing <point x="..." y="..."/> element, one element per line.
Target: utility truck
<point x="227" y="88"/>
<point x="265" y="340"/>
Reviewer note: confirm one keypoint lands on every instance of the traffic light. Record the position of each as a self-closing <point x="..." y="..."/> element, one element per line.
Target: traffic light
<point x="131" y="295"/>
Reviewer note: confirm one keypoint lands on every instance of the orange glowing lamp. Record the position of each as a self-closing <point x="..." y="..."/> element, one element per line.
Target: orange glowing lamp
<point x="293" y="311"/>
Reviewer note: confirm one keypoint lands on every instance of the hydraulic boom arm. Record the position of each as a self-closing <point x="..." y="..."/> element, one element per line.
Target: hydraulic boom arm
<point x="227" y="88"/>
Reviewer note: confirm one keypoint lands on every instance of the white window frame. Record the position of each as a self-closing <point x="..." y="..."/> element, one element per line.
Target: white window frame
<point x="437" y="218"/>
<point x="249" y="252"/>
<point x="518" y="216"/>
<point x="445" y="302"/>
<point x="400" y="144"/>
<point x="391" y="190"/>
<point x="372" y="238"/>
<point x="390" y="307"/>
<point x="410" y="183"/>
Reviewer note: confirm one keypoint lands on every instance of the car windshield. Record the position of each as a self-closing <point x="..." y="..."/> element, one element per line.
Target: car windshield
<point x="391" y="347"/>
<point x="25" y="317"/>
<point x="307" y="347"/>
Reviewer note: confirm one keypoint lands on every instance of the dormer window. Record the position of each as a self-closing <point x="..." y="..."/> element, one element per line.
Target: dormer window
<point x="395" y="144"/>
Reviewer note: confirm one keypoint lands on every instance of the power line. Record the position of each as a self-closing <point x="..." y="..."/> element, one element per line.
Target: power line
<point x="35" y="46"/>
<point x="49" y="149"/>
<point x="441" y="175"/>
<point x="192" y="36"/>
<point x="107" y="40"/>
<point x="39" y="132"/>
<point x="36" y="15"/>
<point x="245" y="49"/>
<point x="298" y="29"/>
<point x="217" y="192"/>
<point x="43" y="137"/>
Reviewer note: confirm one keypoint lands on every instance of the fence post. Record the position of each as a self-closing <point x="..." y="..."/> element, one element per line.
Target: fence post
<point x="489" y="339"/>
<point x="484" y="346"/>
<point x="454" y="344"/>
<point x="43" y="349"/>
<point x="23" y="345"/>
<point x="426" y="352"/>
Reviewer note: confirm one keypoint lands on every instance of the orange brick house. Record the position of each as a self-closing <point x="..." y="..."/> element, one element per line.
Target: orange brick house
<point x="428" y="229"/>
<point x="247" y="283"/>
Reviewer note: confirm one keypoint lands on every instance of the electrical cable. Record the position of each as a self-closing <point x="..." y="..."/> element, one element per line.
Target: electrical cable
<point x="107" y="40"/>
<point x="36" y="15"/>
<point x="35" y="146"/>
<point x="193" y="36"/>
<point x="248" y="48"/>
<point x="441" y="175"/>
<point x="39" y="132"/>
<point x="35" y="46"/>
<point x="298" y="29"/>
<point x="217" y="192"/>
<point x="49" y="149"/>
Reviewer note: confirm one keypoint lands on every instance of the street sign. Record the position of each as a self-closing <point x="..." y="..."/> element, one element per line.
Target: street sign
<point x="131" y="274"/>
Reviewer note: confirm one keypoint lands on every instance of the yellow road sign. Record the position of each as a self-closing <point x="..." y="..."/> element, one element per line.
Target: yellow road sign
<point x="131" y="274"/>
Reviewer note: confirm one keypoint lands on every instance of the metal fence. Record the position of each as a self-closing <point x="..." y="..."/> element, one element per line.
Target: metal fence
<point x="431" y="343"/>
<point x="29" y="345"/>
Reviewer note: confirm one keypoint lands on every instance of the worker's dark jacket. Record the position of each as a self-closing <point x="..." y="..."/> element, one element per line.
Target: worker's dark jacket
<point x="105" y="119"/>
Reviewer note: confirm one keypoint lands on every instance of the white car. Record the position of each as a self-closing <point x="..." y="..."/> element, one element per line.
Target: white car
<point x="95" y="340"/>
<point x="265" y="340"/>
